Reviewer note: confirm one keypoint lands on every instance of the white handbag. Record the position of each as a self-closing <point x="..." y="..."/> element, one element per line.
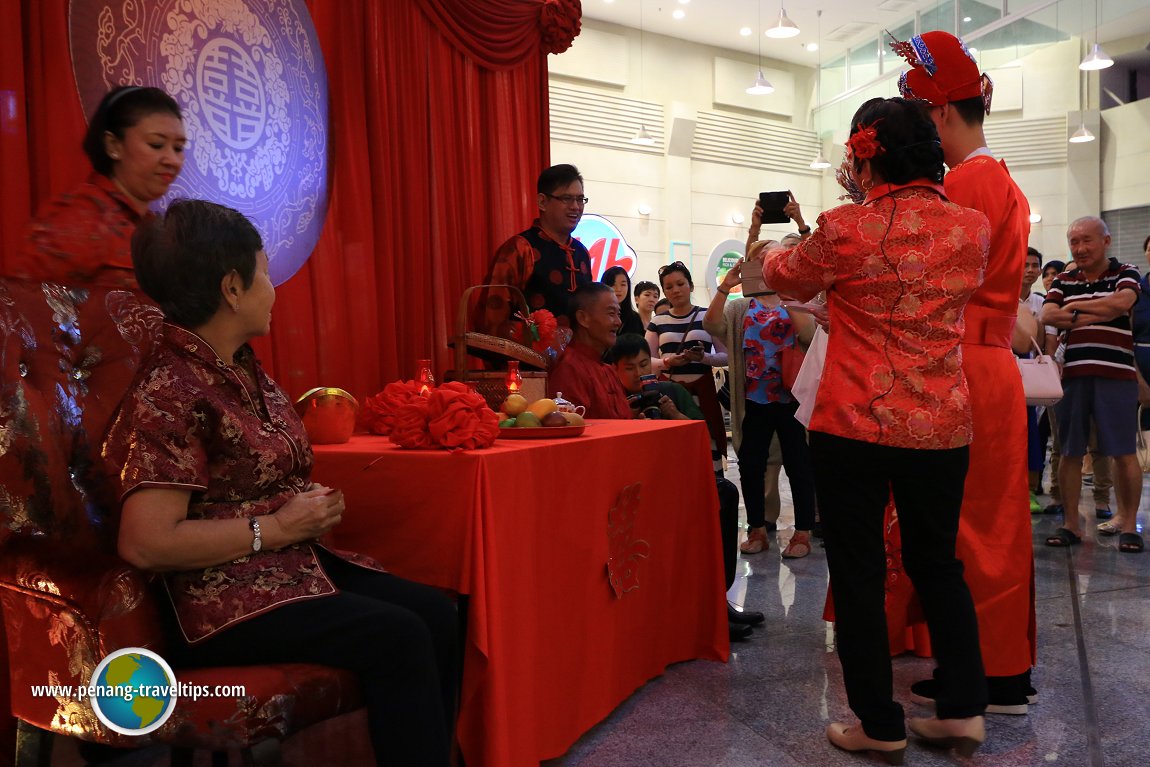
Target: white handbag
<point x="810" y="375"/>
<point x="1041" y="378"/>
<point x="1143" y="444"/>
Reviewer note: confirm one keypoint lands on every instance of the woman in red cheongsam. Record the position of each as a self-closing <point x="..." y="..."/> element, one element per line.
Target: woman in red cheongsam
<point x="214" y="472"/>
<point x="893" y="416"/>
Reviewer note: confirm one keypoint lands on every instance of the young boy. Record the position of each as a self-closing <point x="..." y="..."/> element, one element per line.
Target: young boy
<point x="632" y="359"/>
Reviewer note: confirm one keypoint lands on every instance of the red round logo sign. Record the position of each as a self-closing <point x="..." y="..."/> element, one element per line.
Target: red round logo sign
<point x="249" y="77"/>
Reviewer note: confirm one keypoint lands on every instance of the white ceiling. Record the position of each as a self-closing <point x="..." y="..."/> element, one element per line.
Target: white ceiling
<point x="717" y="22"/>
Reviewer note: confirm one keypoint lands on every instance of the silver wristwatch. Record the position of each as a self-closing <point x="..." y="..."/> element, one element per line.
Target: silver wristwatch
<point x="257" y="541"/>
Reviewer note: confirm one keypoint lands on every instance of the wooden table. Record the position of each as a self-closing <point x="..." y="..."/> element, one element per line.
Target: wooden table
<point x="525" y="529"/>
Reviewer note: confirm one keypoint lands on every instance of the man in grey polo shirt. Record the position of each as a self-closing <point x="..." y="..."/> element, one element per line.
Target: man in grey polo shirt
<point x="1092" y="303"/>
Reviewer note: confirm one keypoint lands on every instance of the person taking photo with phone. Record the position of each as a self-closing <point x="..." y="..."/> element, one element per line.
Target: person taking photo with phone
<point x="756" y="329"/>
<point x="684" y="352"/>
<point x="774" y="207"/>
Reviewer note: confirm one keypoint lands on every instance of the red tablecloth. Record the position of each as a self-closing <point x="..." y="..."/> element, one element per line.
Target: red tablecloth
<point x="522" y="527"/>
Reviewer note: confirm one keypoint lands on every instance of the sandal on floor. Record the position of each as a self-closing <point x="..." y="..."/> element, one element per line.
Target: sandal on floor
<point x="1109" y="528"/>
<point x="1130" y="543"/>
<point x="1063" y="538"/>
<point x="756" y="541"/>
<point x="799" y="546"/>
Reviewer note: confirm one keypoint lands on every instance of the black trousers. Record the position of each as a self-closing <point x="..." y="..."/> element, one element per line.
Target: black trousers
<point x="728" y="527"/>
<point x="855" y="479"/>
<point x="760" y="424"/>
<point x="399" y="637"/>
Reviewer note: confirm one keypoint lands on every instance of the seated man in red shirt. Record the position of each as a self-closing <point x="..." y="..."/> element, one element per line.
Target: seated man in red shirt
<point x="579" y="372"/>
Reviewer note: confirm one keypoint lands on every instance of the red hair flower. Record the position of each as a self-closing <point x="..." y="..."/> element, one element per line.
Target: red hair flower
<point x="864" y="143"/>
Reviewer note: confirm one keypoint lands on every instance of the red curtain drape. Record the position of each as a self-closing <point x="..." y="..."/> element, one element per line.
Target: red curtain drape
<point x="439" y="126"/>
<point x="434" y="161"/>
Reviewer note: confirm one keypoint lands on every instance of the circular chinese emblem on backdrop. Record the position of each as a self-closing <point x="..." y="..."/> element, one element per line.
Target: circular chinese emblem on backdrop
<point x="249" y="78"/>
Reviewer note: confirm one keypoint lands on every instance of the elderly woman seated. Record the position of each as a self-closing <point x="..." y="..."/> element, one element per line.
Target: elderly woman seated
<point x="214" y="478"/>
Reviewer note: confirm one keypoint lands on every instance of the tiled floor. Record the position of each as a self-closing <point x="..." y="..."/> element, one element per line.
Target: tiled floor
<point x="768" y="706"/>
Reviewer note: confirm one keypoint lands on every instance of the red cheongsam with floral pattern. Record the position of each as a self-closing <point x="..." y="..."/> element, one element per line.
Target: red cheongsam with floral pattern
<point x="83" y="237"/>
<point x="192" y="422"/>
<point x="898" y="271"/>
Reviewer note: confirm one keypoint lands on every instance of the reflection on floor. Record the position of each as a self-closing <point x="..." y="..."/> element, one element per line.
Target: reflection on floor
<point x="770" y="703"/>
<point x="768" y="706"/>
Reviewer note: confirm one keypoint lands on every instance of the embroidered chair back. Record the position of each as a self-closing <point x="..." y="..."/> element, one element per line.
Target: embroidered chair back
<point x="67" y="355"/>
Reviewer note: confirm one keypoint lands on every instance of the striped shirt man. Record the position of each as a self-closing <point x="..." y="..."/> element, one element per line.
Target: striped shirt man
<point x="1102" y="349"/>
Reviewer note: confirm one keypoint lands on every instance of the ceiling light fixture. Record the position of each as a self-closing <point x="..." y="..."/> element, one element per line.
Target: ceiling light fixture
<point x="761" y="86"/>
<point x="641" y="137"/>
<point x="819" y="163"/>
<point x="1097" y="58"/>
<point x="1036" y="218"/>
<point x="745" y="31"/>
<point x="678" y="13"/>
<point x="1083" y="134"/>
<point x="784" y="27"/>
<point x="737" y="218"/>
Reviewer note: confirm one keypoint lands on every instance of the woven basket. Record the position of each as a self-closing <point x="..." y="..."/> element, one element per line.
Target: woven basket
<point x="492" y="385"/>
<point x="486" y="346"/>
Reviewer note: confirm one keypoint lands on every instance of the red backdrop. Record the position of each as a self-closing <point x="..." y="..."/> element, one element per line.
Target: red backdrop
<point x="438" y="129"/>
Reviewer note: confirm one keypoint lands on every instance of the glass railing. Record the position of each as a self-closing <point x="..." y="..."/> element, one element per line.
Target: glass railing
<point x="870" y="68"/>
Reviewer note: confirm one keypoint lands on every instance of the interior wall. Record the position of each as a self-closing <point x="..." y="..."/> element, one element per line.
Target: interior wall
<point x="693" y="200"/>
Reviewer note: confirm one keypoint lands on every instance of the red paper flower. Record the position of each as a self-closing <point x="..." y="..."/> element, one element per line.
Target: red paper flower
<point x="559" y="22"/>
<point x="546" y="324"/>
<point x="409" y="425"/>
<point x="864" y="143"/>
<point x="536" y="330"/>
<point x="459" y="419"/>
<point x="379" y="410"/>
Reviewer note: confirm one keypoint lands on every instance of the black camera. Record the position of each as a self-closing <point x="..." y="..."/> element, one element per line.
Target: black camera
<point x="647" y="403"/>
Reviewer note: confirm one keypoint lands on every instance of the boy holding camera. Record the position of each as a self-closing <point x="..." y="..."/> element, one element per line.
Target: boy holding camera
<point x="648" y="396"/>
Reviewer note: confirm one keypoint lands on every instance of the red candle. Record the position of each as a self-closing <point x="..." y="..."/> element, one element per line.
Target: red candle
<point x="426" y="378"/>
<point x="514" y="377"/>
